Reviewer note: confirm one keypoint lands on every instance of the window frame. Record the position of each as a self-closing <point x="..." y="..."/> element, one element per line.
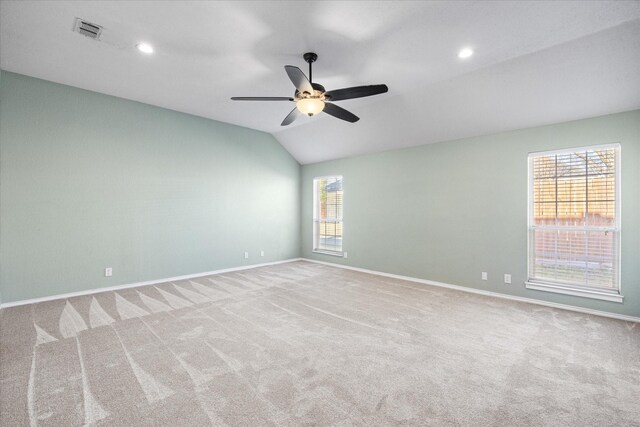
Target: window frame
<point x="613" y="295"/>
<point x="315" y="219"/>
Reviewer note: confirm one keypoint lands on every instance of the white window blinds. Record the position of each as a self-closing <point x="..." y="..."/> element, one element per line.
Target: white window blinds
<point x="327" y="214"/>
<point x="574" y="218"/>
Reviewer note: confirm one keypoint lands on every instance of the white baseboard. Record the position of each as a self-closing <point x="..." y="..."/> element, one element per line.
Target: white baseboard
<point x="135" y="285"/>
<point x="363" y="270"/>
<point x="483" y="292"/>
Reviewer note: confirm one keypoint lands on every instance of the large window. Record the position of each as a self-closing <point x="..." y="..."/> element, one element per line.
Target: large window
<point x="327" y="215"/>
<point x="574" y="222"/>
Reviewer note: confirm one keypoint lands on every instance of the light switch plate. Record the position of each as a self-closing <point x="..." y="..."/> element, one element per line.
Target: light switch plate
<point x="507" y="278"/>
<point x="108" y="272"/>
<point x="484" y="275"/>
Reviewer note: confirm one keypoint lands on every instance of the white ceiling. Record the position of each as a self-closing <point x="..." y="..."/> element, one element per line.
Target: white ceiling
<point x="535" y="62"/>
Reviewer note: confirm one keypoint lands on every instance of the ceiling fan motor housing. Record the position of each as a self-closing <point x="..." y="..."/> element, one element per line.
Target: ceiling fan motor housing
<point x="318" y="90"/>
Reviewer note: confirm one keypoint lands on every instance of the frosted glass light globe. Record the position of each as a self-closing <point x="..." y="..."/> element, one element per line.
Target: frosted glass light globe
<point x="310" y="106"/>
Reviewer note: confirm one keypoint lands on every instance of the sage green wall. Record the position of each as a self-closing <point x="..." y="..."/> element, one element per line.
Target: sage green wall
<point x="89" y="181"/>
<point x="449" y="211"/>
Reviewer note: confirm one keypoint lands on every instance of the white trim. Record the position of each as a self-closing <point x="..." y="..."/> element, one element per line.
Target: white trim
<point x="487" y="293"/>
<point x="558" y="289"/>
<point x="138" y="284"/>
<point x="330" y="253"/>
<point x="572" y="227"/>
<point x="606" y="146"/>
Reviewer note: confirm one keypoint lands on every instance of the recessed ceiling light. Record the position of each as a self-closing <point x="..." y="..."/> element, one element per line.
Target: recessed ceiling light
<point x="465" y="53"/>
<point x="145" y="47"/>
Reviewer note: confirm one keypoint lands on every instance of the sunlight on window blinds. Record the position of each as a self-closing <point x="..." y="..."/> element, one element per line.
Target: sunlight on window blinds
<point x="573" y="222"/>
<point x="327" y="214"/>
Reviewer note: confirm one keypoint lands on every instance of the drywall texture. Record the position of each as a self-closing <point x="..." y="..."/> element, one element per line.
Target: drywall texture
<point x="449" y="211"/>
<point x="89" y="181"/>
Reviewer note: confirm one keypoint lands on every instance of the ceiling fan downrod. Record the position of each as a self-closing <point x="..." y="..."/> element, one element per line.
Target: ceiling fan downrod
<point x="310" y="58"/>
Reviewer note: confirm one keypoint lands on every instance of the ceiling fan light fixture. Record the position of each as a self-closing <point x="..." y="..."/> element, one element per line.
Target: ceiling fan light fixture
<point x="310" y="106"/>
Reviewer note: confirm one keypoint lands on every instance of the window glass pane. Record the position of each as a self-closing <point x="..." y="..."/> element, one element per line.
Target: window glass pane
<point x="542" y="261"/>
<point x="572" y="213"/>
<point x="544" y="201"/>
<point x="572" y="164"/>
<point x="572" y="189"/>
<point x="601" y="259"/>
<point x="330" y="236"/>
<point x="544" y="166"/>
<point x="602" y="214"/>
<point x="601" y="188"/>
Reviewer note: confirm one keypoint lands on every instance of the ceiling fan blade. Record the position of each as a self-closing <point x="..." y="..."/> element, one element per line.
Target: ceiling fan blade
<point x="261" y="98"/>
<point x="355" y="92"/>
<point x="340" y="113"/>
<point x="300" y="81"/>
<point x="291" y="117"/>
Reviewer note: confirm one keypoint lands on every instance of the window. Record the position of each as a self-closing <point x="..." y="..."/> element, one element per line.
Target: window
<point x="574" y="222"/>
<point x="327" y="215"/>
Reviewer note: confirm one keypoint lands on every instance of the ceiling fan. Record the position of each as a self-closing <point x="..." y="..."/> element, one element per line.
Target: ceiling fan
<point x="311" y="98"/>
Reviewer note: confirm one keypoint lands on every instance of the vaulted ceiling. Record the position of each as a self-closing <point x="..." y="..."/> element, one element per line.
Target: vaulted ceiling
<point x="535" y="62"/>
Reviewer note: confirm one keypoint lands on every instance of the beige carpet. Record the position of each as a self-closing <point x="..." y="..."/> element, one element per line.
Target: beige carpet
<point x="307" y="344"/>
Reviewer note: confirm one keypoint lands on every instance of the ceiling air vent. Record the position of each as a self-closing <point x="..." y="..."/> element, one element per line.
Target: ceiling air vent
<point x="88" y="29"/>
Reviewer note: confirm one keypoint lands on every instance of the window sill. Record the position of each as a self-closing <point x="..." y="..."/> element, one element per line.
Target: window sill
<point x="336" y="254"/>
<point x="559" y="289"/>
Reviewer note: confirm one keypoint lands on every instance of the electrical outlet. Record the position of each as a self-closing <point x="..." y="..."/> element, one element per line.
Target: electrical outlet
<point x="345" y="255"/>
<point x="507" y="279"/>
<point x="484" y="275"/>
<point x="246" y="255"/>
<point x="108" y="272"/>
<point x="261" y="253"/>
